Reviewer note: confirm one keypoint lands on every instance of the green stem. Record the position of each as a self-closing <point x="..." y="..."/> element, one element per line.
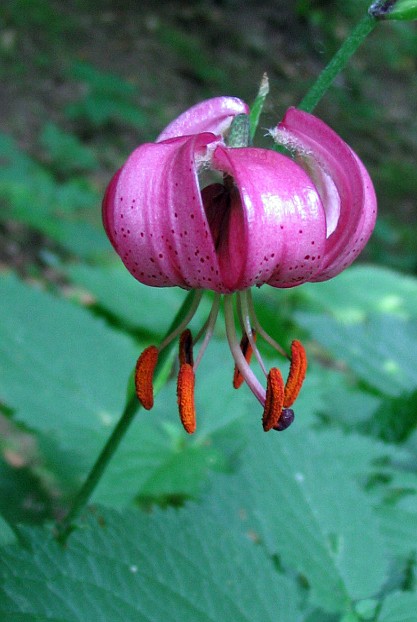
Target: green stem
<point x="64" y="528"/>
<point x="338" y="63"/>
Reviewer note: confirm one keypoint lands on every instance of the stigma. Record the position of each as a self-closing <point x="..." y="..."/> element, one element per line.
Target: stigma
<point x="274" y="395"/>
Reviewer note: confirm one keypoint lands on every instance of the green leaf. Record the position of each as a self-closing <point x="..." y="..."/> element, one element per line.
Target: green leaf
<point x="34" y="197"/>
<point x="399" y="607"/>
<point x="62" y="371"/>
<point x="7" y="535"/>
<point x="65" y="151"/>
<point x="399" y="529"/>
<point x="297" y="493"/>
<point x="152" y="568"/>
<point x="395" y="420"/>
<point x="363" y="290"/>
<point x="149" y="309"/>
<point x="258" y="104"/>
<point x="379" y="350"/>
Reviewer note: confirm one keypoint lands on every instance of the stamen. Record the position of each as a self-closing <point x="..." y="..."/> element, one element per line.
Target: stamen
<point x="186" y="348"/>
<point x="177" y="329"/>
<point x="208" y="329"/>
<point x="185" y="397"/>
<point x="297" y="373"/>
<point x="250" y="378"/>
<point x="274" y="399"/>
<point x="144" y="371"/>
<point x="245" y="318"/>
<point x="247" y="352"/>
<point x="258" y="327"/>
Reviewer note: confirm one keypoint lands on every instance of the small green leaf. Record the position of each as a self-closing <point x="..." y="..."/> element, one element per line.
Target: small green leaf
<point x="258" y="104"/>
<point x="66" y="152"/>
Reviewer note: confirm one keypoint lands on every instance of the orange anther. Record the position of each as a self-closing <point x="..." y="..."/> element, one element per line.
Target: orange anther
<point x="185" y="397"/>
<point x="274" y="399"/>
<point x="144" y="371"/>
<point x="247" y="351"/>
<point x="186" y="348"/>
<point x="297" y="373"/>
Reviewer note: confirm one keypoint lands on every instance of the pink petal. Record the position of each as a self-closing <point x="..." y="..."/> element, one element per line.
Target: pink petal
<point x="280" y="225"/>
<point x="342" y="181"/>
<point x="212" y="115"/>
<point x="155" y="219"/>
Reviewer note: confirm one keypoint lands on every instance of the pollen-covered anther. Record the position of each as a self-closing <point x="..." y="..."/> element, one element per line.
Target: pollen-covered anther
<point x="186" y="348"/>
<point x="247" y="352"/>
<point x="297" y="373"/>
<point x="144" y="371"/>
<point x="185" y="397"/>
<point x="274" y="399"/>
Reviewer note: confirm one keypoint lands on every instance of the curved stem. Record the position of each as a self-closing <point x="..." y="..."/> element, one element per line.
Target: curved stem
<point x="338" y="63"/>
<point x="64" y="528"/>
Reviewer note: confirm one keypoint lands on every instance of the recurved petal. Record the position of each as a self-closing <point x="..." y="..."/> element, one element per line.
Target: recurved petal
<point x="211" y="115"/>
<point x="280" y="222"/>
<point x="154" y="215"/>
<point x="343" y="183"/>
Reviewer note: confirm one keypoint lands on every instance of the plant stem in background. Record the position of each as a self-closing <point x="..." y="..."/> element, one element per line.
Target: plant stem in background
<point x="338" y="63"/>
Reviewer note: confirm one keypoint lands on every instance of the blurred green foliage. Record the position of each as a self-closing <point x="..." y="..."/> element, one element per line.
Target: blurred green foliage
<point x="318" y="524"/>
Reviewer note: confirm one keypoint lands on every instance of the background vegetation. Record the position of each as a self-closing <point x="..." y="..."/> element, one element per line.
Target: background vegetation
<point x="317" y="524"/>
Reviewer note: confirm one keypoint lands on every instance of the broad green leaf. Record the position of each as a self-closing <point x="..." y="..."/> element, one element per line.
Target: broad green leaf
<point x="399" y="607"/>
<point x="62" y="371"/>
<point x="380" y="350"/>
<point x="362" y="290"/>
<point x="143" y="308"/>
<point x="173" y="565"/>
<point x="297" y="493"/>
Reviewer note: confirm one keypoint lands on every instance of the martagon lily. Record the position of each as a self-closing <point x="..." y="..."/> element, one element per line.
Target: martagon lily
<point x="269" y="219"/>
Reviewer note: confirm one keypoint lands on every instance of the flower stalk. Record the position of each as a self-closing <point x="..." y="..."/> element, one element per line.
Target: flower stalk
<point x="338" y="63"/>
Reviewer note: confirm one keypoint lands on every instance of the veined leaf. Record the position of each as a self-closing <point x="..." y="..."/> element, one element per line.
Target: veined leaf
<point x="173" y="565"/>
<point x="298" y="497"/>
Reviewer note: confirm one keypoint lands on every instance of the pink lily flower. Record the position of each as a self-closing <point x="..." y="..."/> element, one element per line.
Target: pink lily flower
<point x="269" y="218"/>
